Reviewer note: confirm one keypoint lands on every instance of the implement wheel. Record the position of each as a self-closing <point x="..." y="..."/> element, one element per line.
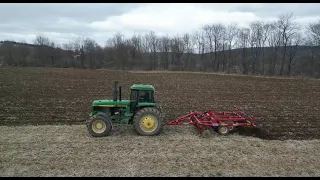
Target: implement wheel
<point x="206" y="133"/>
<point x="223" y="130"/>
<point x="99" y="126"/>
<point x="232" y="128"/>
<point x="148" y="122"/>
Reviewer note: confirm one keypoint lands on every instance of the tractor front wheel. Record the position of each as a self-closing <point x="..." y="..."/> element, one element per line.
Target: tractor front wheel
<point x="148" y="122"/>
<point x="99" y="126"/>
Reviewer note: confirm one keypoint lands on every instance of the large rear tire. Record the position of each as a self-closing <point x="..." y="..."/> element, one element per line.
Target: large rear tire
<point x="148" y="122"/>
<point x="99" y="126"/>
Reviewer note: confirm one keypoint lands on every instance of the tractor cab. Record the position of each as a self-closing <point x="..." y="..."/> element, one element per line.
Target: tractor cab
<point x="141" y="95"/>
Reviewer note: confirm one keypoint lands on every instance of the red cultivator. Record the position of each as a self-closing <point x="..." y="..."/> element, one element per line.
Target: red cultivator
<point x="222" y="122"/>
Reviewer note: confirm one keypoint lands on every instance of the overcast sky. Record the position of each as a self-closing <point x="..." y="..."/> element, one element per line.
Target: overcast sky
<point x="65" y="22"/>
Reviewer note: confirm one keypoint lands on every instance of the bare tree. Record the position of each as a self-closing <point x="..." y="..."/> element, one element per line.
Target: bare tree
<point x="274" y="41"/>
<point x="68" y="46"/>
<point x="109" y="52"/>
<point x="314" y="32"/>
<point x="256" y="43"/>
<point x="243" y="41"/>
<point x="265" y="35"/>
<point x="100" y="56"/>
<point x="217" y="30"/>
<point x="135" y="48"/>
<point x="177" y="48"/>
<point x="209" y="39"/>
<point x="121" y="50"/>
<point x="43" y="52"/>
<point x="188" y="49"/>
<point x="200" y="44"/>
<point x="214" y="34"/>
<point x="145" y="49"/>
<point x="153" y="44"/>
<point x="224" y="44"/>
<point x="23" y="53"/>
<point x="193" y="51"/>
<point x="7" y="54"/>
<point x="70" y="55"/>
<point x="164" y="48"/>
<point x="78" y="46"/>
<point x="288" y="29"/>
<point x="42" y="41"/>
<point x="293" y="43"/>
<point x="313" y="41"/>
<point x="259" y="35"/>
<point x="231" y="32"/>
<point x="90" y="46"/>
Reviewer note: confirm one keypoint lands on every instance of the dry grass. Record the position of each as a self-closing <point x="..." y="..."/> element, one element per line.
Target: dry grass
<point x="178" y="151"/>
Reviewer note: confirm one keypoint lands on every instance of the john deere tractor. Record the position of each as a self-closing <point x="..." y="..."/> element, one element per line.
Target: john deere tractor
<point x="141" y="111"/>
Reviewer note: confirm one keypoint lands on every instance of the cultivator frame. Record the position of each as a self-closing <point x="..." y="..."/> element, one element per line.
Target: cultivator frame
<point x="224" y="122"/>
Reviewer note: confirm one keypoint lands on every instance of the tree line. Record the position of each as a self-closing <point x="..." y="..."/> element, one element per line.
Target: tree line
<point x="277" y="48"/>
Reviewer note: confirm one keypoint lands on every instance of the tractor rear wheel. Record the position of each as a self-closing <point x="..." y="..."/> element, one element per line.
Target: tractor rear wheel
<point x="99" y="126"/>
<point x="148" y="122"/>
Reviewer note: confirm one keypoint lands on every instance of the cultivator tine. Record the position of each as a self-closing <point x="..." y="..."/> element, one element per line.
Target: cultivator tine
<point x="258" y="125"/>
<point x="235" y="108"/>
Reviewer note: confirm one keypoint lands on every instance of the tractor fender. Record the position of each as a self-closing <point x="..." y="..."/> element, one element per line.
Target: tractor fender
<point x="162" y="115"/>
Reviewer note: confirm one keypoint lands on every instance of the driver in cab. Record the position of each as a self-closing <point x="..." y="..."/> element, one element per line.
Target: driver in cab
<point x="144" y="96"/>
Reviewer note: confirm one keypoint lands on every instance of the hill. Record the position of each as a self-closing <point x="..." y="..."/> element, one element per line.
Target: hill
<point x="298" y="60"/>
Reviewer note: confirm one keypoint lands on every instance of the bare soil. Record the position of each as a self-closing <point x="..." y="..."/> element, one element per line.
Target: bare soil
<point x="62" y="150"/>
<point x="288" y="108"/>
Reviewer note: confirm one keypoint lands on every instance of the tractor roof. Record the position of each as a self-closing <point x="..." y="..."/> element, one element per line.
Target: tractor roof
<point x="143" y="87"/>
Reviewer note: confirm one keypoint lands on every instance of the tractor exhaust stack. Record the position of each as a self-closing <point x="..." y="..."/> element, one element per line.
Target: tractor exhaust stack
<point x="120" y="93"/>
<point x="115" y="93"/>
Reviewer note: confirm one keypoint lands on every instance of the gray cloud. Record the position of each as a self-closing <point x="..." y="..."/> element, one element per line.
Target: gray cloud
<point x="46" y="12"/>
<point x="46" y="18"/>
<point x="269" y="9"/>
<point x="64" y="22"/>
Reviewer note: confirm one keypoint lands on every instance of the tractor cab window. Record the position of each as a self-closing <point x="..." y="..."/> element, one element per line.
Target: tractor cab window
<point x="134" y="95"/>
<point x="146" y="96"/>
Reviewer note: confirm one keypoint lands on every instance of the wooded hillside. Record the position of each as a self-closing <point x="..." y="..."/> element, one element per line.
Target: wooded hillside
<point x="282" y="48"/>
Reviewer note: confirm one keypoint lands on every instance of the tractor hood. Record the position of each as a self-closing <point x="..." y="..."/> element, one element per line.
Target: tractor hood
<point x="110" y="103"/>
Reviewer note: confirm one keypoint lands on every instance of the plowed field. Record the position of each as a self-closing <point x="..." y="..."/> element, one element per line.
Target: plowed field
<point x="288" y="108"/>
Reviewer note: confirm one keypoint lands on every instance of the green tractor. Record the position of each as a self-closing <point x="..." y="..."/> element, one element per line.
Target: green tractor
<point x="141" y="110"/>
